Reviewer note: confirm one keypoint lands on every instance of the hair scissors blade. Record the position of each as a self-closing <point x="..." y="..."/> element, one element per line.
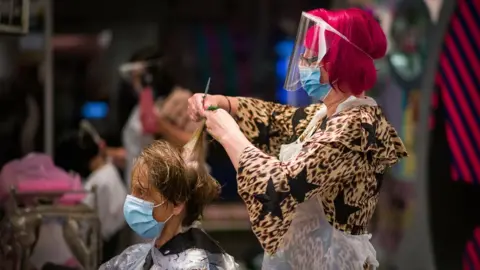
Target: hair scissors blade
<point x="207" y="87"/>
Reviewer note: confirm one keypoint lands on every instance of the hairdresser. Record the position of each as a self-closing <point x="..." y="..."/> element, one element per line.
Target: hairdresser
<point x="310" y="177"/>
<point x="160" y="108"/>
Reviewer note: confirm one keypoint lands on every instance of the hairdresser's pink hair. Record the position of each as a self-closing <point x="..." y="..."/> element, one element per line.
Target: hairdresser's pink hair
<point x="346" y="64"/>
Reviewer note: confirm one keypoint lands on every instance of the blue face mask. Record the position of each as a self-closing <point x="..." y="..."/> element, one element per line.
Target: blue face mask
<point x="139" y="216"/>
<point x="310" y="80"/>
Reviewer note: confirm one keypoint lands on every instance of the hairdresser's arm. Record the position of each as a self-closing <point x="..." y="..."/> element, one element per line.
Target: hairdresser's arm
<point x="172" y="133"/>
<point x="265" y="182"/>
<point x="267" y="125"/>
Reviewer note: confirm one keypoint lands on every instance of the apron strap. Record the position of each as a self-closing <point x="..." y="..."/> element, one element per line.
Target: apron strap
<point x="350" y="102"/>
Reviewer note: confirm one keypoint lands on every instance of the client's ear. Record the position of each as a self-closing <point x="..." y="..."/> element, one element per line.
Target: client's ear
<point x="178" y="209"/>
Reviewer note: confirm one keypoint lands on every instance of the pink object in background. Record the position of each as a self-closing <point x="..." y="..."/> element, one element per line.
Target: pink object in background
<point x="147" y="111"/>
<point x="36" y="173"/>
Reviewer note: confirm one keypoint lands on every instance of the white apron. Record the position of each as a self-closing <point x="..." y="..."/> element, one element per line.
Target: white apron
<point x="331" y="245"/>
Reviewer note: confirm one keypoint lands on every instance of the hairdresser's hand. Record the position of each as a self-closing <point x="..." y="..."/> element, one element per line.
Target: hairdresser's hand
<point x="223" y="128"/>
<point x="197" y="105"/>
<point x="221" y="125"/>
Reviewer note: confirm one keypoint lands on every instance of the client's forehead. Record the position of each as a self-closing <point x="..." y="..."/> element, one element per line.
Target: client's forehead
<point x="141" y="184"/>
<point x="140" y="174"/>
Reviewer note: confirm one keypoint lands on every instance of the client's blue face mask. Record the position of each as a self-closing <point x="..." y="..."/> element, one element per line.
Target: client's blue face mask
<point x="139" y="216"/>
<point x="310" y="80"/>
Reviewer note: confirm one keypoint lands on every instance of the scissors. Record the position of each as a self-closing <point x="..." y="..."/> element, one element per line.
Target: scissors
<point x="210" y="108"/>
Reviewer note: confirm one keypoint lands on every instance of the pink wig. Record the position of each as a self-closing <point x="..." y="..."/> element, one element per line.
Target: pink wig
<point x="346" y="64"/>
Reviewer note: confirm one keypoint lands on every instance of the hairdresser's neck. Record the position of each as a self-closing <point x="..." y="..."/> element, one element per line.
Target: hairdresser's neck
<point x="335" y="98"/>
<point x="169" y="231"/>
<point x="332" y="100"/>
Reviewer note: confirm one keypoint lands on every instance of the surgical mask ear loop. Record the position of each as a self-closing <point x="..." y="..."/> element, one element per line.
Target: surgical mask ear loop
<point x="171" y="215"/>
<point x="326" y="95"/>
<point x="160" y="204"/>
<point x="155" y="206"/>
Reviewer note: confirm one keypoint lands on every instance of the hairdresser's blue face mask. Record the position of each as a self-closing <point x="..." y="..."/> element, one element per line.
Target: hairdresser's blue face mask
<point x="139" y="216"/>
<point x="310" y="80"/>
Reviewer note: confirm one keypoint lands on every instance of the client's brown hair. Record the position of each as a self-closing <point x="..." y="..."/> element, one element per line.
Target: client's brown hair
<point x="178" y="177"/>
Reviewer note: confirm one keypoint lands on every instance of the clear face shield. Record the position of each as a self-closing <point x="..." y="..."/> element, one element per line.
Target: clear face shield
<point x="315" y="38"/>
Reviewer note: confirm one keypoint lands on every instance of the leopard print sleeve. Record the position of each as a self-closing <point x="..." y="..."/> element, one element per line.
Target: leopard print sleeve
<point x="341" y="163"/>
<point x="272" y="189"/>
<point x="268" y="125"/>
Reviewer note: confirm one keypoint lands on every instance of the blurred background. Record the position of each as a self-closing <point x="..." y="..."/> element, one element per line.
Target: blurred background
<point x="59" y="64"/>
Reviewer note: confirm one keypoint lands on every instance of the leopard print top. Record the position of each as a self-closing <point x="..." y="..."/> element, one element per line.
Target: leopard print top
<point x="343" y="162"/>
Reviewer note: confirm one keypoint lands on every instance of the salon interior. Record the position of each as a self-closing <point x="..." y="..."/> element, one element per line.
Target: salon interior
<point x="63" y="64"/>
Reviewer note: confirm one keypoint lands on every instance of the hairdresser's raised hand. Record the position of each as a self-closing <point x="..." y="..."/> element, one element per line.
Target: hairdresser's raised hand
<point x="223" y="128"/>
<point x="197" y="106"/>
<point x="221" y="125"/>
